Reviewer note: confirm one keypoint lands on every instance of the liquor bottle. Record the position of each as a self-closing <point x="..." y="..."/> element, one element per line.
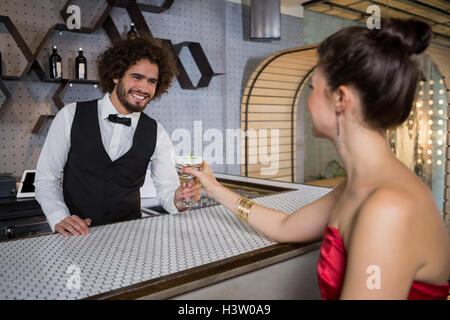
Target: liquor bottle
<point x="80" y="65"/>
<point x="131" y="34"/>
<point x="55" y="65"/>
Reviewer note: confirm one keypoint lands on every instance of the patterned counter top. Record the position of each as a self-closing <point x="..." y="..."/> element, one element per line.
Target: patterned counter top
<point x="127" y="253"/>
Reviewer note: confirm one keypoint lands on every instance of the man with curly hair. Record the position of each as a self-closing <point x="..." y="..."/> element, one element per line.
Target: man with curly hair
<point x="103" y="148"/>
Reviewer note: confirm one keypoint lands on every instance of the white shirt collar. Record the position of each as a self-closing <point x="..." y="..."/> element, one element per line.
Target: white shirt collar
<point x="109" y="108"/>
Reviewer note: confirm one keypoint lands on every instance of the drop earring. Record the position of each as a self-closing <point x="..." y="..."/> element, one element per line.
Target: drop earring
<point x="338" y="135"/>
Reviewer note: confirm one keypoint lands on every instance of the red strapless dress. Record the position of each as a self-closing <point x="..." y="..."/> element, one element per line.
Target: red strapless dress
<point x="331" y="270"/>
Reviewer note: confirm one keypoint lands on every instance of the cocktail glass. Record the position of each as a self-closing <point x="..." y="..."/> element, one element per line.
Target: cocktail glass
<point x="186" y="162"/>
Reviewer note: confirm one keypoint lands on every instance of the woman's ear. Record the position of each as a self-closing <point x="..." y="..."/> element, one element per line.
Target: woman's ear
<point x="116" y="80"/>
<point x="342" y="98"/>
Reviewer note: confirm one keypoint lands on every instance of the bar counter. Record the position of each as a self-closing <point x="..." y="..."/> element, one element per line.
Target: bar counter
<point x="206" y="253"/>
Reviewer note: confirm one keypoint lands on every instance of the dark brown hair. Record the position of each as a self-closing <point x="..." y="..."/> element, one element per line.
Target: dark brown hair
<point x="378" y="64"/>
<point x="116" y="60"/>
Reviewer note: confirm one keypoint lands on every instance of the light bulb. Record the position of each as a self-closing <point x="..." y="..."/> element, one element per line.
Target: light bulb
<point x="439" y="162"/>
<point x="430" y="132"/>
<point x="439" y="142"/>
<point x="441" y="112"/>
<point x="441" y="91"/>
<point x="441" y="101"/>
<point x="429" y="151"/>
<point x="430" y="91"/>
<point x="428" y="161"/>
<point x="430" y="142"/>
<point x="431" y="82"/>
<point x="440" y="122"/>
<point x="430" y="102"/>
<point x="439" y="152"/>
<point x="430" y="112"/>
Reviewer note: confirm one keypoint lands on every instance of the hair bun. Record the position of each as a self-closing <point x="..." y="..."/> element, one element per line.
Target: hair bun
<point x="412" y="35"/>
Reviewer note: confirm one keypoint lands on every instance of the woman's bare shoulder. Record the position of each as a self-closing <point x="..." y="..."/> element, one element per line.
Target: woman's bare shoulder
<point x="406" y="213"/>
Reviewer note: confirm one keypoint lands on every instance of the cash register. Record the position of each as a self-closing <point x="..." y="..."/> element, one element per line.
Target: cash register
<point x="20" y="213"/>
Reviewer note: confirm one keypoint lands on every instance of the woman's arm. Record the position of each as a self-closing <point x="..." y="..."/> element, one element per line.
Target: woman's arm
<point x="306" y="224"/>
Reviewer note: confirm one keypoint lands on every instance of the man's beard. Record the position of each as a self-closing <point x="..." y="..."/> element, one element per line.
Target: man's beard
<point x="122" y="95"/>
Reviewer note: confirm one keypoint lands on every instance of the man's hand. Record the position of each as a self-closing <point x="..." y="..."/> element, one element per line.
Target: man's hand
<point x="73" y="225"/>
<point x="192" y="190"/>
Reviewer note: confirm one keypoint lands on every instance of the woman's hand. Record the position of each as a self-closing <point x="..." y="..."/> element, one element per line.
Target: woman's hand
<point x="206" y="177"/>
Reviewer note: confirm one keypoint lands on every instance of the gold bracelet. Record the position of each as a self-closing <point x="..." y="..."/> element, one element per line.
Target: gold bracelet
<point x="247" y="206"/>
<point x="244" y="205"/>
<point x="235" y="205"/>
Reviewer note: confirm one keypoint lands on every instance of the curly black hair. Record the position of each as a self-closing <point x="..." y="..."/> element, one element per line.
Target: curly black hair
<point x="116" y="60"/>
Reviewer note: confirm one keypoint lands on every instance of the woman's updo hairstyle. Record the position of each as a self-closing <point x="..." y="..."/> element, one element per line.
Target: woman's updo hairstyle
<point x="377" y="63"/>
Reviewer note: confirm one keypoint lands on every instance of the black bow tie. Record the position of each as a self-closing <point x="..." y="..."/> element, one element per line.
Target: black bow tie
<point x="116" y="119"/>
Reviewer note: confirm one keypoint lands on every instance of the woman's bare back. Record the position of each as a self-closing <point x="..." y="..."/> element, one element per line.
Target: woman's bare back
<point x="429" y="238"/>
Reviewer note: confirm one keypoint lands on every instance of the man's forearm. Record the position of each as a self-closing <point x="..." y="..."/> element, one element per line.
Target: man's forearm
<point x="50" y="197"/>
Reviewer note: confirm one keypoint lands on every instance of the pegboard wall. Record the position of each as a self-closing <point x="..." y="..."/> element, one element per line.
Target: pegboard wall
<point x="221" y="27"/>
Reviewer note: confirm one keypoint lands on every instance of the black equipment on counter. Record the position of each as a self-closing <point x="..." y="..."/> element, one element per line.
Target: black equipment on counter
<point x="20" y="218"/>
<point x="7" y="185"/>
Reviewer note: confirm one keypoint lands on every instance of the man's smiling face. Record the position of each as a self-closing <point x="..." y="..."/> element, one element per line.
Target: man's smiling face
<point x="138" y="85"/>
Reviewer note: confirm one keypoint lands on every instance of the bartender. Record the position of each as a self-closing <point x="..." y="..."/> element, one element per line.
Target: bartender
<point x="101" y="149"/>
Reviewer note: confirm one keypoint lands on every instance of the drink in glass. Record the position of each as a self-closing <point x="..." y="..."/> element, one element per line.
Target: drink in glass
<point x="186" y="162"/>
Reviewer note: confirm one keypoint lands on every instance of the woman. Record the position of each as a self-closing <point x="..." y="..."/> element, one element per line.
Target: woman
<point x="382" y="217"/>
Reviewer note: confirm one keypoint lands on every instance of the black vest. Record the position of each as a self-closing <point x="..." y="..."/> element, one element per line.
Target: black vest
<point x="94" y="186"/>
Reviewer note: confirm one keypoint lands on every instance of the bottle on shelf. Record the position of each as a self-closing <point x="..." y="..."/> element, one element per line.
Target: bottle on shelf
<point x="80" y="65"/>
<point x="55" y="65"/>
<point x="132" y="33"/>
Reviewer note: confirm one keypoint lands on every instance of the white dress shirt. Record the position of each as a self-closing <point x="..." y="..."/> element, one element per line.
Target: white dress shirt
<point x="117" y="140"/>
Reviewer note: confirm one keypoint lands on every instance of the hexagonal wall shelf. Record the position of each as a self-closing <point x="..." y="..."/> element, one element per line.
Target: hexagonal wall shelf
<point x="202" y="63"/>
<point x="134" y="10"/>
<point x="21" y="44"/>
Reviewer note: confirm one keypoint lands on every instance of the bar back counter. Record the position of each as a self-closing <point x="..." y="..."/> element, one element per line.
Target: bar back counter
<point x="206" y="253"/>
